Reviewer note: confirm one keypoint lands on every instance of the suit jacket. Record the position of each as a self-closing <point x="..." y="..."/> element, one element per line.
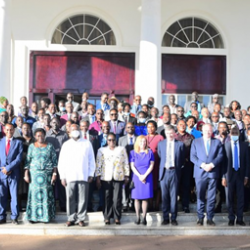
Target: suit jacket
<point x="17" y="133"/>
<point x="123" y="141"/>
<point x="133" y="109"/>
<point x="179" y="157"/>
<point x="119" y="129"/>
<point x="13" y="159"/>
<point x="130" y="119"/>
<point x="198" y="156"/>
<point x="64" y="119"/>
<point x="228" y="171"/>
<point x="102" y="141"/>
<point x="95" y="143"/>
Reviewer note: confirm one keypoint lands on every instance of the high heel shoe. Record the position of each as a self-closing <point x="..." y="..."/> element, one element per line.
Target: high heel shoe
<point x="144" y="221"/>
<point x="137" y="221"/>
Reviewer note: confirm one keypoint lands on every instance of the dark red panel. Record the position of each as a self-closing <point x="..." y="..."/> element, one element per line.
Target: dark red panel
<point x="188" y="73"/>
<point x="83" y="71"/>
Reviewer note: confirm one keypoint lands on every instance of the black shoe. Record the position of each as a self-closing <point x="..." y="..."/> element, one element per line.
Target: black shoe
<point x="174" y="223"/>
<point x="165" y="222"/>
<point x="138" y="221"/>
<point x="3" y="221"/>
<point x="107" y="222"/>
<point x="240" y="223"/>
<point x="15" y="222"/>
<point x="144" y="221"/>
<point x="200" y="222"/>
<point x="231" y="223"/>
<point x="210" y="223"/>
<point x="186" y="210"/>
<point x="117" y="222"/>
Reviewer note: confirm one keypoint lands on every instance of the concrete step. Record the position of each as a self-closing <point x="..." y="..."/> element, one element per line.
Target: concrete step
<point x="95" y="226"/>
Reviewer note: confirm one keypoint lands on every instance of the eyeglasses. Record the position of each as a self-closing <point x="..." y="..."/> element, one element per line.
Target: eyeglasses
<point x="99" y="113"/>
<point x="113" y="140"/>
<point x="130" y="127"/>
<point x="215" y="116"/>
<point x="113" y="114"/>
<point x="137" y="99"/>
<point x="179" y="110"/>
<point x="193" y="106"/>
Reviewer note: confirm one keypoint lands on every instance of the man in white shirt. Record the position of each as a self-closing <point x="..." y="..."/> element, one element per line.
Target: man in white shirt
<point x="76" y="168"/>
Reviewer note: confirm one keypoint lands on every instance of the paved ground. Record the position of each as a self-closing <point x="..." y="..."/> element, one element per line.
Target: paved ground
<point x="12" y="242"/>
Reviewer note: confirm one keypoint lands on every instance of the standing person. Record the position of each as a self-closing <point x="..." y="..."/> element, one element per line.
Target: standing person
<point x="194" y="98"/>
<point x="84" y="110"/>
<point x="205" y="115"/>
<point x="79" y="155"/>
<point x="57" y="137"/>
<point x="136" y="107"/>
<point x="11" y="113"/>
<point x="39" y="122"/>
<point x="128" y="142"/>
<point x="3" y="121"/>
<point x="235" y="175"/>
<point x="207" y="155"/>
<point x="41" y="174"/>
<point x="61" y="107"/>
<point x="104" y="135"/>
<point x="46" y="122"/>
<point x="96" y="127"/>
<point x="26" y="139"/>
<point x="33" y="110"/>
<point x="215" y="122"/>
<point x="52" y="111"/>
<point x="45" y="102"/>
<point x="113" y="104"/>
<point x="240" y="124"/>
<point x="11" y="151"/>
<point x="3" y="103"/>
<point x="26" y="118"/>
<point x="172" y="105"/>
<point x="153" y="140"/>
<point x="64" y="118"/>
<point x="127" y="117"/>
<point x="91" y="117"/>
<point x="180" y="113"/>
<point x="172" y="155"/>
<point x="70" y="99"/>
<point x="18" y="129"/>
<point x="141" y="127"/>
<point x="142" y="164"/>
<point x="215" y="100"/>
<point x="154" y="112"/>
<point x="103" y="105"/>
<point x="166" y="118"/>
<point x="112" y="171"/>
<point x="191" y="121"/>
<point x="187" y="170"/>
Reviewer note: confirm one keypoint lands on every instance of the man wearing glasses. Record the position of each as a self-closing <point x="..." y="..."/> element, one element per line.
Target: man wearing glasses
<point x="136" y="107"/>
<point x="116" y="126"/>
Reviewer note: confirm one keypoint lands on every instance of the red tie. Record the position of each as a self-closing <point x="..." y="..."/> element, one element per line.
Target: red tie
<point x="85" y="136"/>
<point x="7" y="147"/>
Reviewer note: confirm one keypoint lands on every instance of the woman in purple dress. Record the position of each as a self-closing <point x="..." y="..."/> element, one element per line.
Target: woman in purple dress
<point x="142" y="163"/>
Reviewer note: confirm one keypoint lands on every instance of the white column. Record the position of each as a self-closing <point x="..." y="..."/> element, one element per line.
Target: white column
<point x="149" y="75"/>
<point x="5" y="48"/>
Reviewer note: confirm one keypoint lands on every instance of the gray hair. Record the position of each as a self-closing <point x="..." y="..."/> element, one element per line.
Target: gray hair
<point x="168" y="128"/>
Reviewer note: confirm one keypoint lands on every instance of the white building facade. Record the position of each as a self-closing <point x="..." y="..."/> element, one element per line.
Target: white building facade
<point x="27" y="28"/>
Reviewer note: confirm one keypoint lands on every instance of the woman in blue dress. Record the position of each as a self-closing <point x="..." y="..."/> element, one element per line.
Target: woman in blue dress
<point x="142" y="163"/>
<point x="40" y="173"/>
<point x="141" y="127"/>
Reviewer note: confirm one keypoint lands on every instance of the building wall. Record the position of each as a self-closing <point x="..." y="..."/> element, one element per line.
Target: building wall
<point x="34" y="21"/>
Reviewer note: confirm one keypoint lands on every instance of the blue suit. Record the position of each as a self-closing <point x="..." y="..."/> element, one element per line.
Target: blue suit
<point x="169" y="178"/>
<point x="12" y="163"/>
<point x="135" y="109"/>
<point x="99" y="106"/>
<point x="206" y="181"/>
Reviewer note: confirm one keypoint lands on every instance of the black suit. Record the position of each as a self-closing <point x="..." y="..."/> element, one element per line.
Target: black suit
<point x="130" y="119"/>
<point x="235" y="179"/>
<point x="95" y="143"/>
<point x="126" y="200"/>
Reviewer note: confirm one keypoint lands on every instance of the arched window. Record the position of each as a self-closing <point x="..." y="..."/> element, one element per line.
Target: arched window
<point x="84" y="30"/>
<point x="192" y="32"/>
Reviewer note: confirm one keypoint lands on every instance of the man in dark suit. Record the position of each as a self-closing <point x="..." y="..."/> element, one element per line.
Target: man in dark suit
<point x="166" y="121"/>
<point x="11" y="150"/>
<point x="206" y="154"/>
<point x="102" y="138"/>
<point x="235" y="175"/>
<point x="240" y="124"/>
<point x="127" y="117"/>
<point x="128" y="142"/>
<point x="67" y="116"/>
<point x="172" y="155"/>
<point x="117" y="127"/>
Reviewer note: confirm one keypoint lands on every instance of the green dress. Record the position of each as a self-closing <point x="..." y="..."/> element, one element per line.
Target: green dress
<point x="41" y="202"/>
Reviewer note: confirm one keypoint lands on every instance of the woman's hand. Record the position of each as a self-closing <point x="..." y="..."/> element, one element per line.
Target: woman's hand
<point x="142" y="179"/>
<point x="26" y="176"/>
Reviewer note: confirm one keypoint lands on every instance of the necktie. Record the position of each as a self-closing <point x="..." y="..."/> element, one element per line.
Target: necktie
<point x="169" y="149"/>
<point x="208" y="147"/>
<point x="7" y="147"/>
<point x="236" y="158"/>
<point x="115" y="128"/>
<point x="131" y="140"/>
<point x="137" y="109"/>
<point x="85" y="136"/>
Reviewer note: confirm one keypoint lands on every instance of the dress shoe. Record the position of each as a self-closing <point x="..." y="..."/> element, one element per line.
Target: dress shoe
<point x="137" y="221"/>
<point x="210" y="223"/>
<point x="144" y="221"/>
<point x="14" y="222"/>
<point x="217" y="210"/>
<point x="165" y="222"/>
<point x="200" y="222"/>
<point x="70" y="223"/>
<point x="107" y="222"/>
<point x="117" y="222"/>
<point x="3" y="221"/>
<point x="231" y="223"/>
<point x="186" y="210"/>
<point x="174" y="223"/>
<point x="240" y="223"/>
<point x="81" y="224"/>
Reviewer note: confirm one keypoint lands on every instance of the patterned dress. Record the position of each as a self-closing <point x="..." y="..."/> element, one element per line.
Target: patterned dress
<point x="40" y="203"/>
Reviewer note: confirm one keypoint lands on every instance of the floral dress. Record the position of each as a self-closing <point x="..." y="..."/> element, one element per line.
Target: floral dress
<point x="41" y="202"/>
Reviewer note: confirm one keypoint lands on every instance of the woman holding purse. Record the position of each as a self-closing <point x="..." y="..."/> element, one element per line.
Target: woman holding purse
<point x="142" y="163"/>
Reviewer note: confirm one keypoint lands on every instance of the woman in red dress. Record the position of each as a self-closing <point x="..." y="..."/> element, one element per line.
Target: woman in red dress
<point x="153" y="139"/>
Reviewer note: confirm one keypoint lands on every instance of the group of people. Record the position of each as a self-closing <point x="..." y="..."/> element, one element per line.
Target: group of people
<point x="133" y="156"/>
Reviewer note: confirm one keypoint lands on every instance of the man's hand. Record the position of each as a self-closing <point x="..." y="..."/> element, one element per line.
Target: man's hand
<point x="224" y="182"/>
<point x="90" y="179"/>
<point x="4" y="171"/>
<point x="209" y="167"/>
<point x="53" y="179"/>
<point x="245" y="181"/>
<point x="64" y="183"/>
